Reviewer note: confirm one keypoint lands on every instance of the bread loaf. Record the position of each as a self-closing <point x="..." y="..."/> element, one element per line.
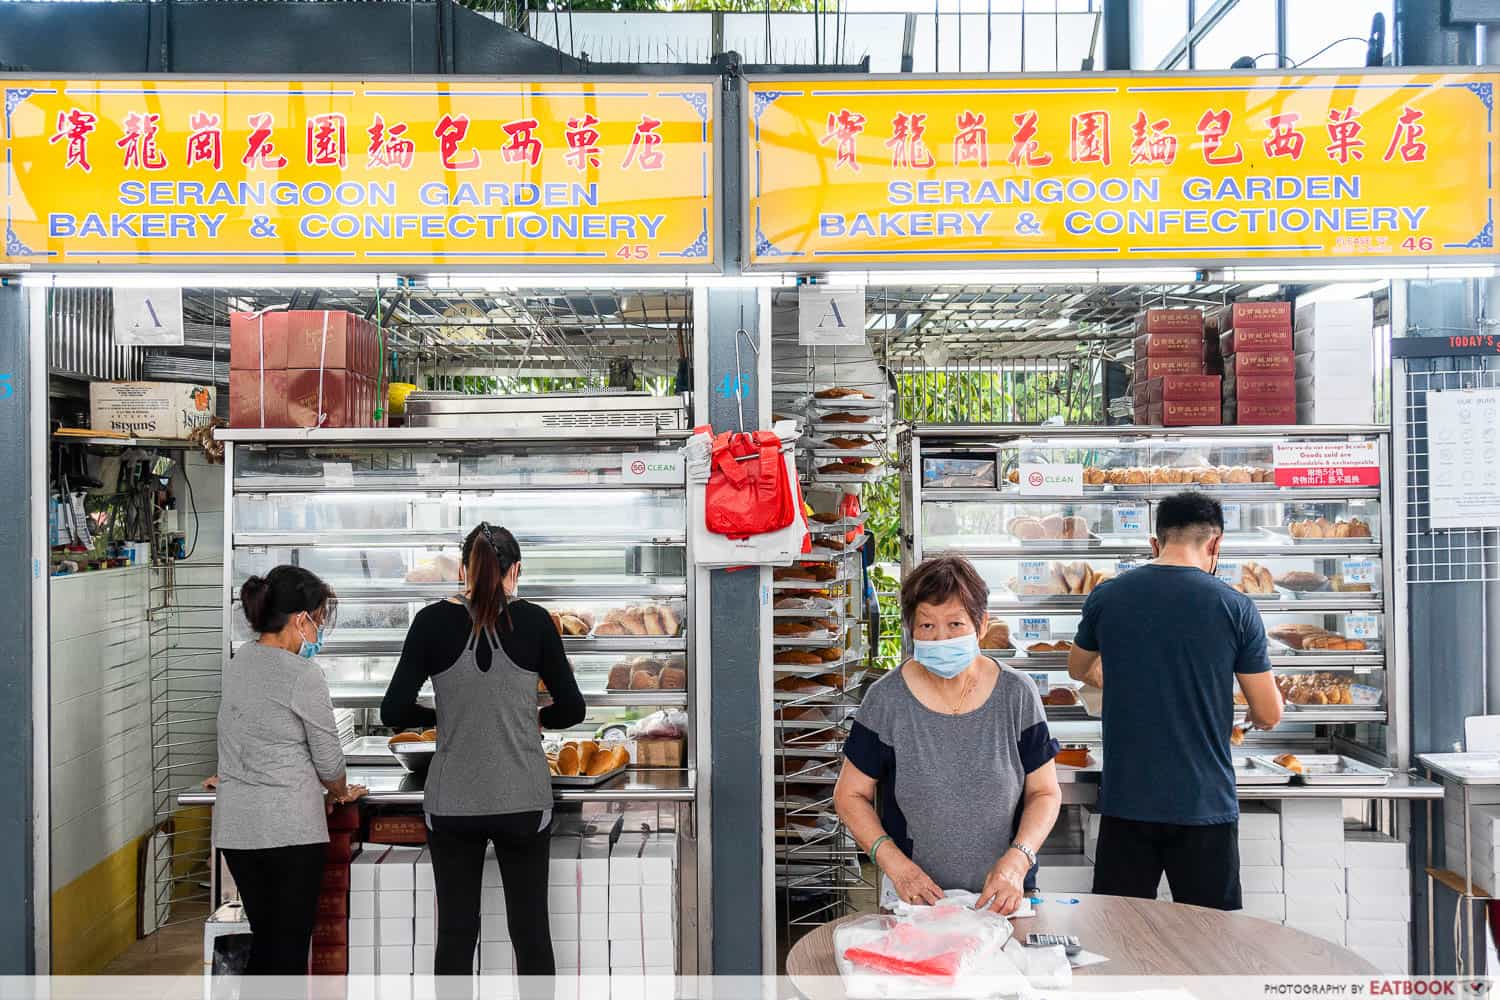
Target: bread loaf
<point x="619" y="677"/>
<point x="798" y="658"/>
<point x="672" y="679"/>
<point x="607" y="760"/>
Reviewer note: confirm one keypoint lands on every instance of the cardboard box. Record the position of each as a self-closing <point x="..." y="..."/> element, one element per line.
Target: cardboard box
<point x="1257" y="315"/>
<point x="1265" y="905"/>
<point x="1312" y="854"/>
<point x="1347" y="366"/>
<point x="1379" y="902"/>
<point x="1392" y="934"/>
<point x="362" y="961"/>
<point x="322" y="399"/>
<point x="150" y="409"/>
<point x="1315" y="909"/>
<point x="324" y="338"/>
<point x="1195" y="413"/>
<point x="395" y="903"/>
<point x="333" y="905"/>
<point x="362" y="932"/>
<point x="1260" y="854"/>
<point x="424" y="929"/>
<point x="1304" y="882"/>
<point x="1348" y="314"/>
<point x="1255" y="339"/>
<point x="1183" y="388"/>
<point x="257" y="341"/>
<point x="593" y="862"/>
<point x="562" y="868"/>
<point x="1371" y="849"/>
<point x="1356" y="389"/>
<point x="494" y="926"/>
<point x="660" y="898"/>
<point x="497" y="956"/>
<point x="1261" y="389"/>
<point x="1177" y="343"/>
<point x="1262" y="879"/>
<point x="394" y="961"/>
<point x="1248" y="363"/>
<point x="1253" y="412"/>
<point x="249" y="408"/>
<point x="1338" y="338"/>
<point x="331" y="932"/>
<point x="1152" y="368"/>
<point x="1065" y="873"/>
<point x="398" y="870"/>
<point x="625" y="860"/>
<point x="397" y="829"/>
<point x="640" y="927"/>
<point x="394" y="930"/>
<point x="1171" y="321"/>
<point x="362" y="905"/>
<point x="425" y="903"/>
<point x="1373" y="880"/>
<point x="1259" y="821"/>
<point x="587" y="898"/>
<point x="1387" y="961"/>
<point x="1330" y="930"/>
<point x="1312" y="819"/>
<point x="1336" y="411"/>
<point x="659" y="861"/>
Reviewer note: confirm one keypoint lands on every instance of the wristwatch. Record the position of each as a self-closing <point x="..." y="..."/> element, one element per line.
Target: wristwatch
<point x="1030" y="854"/>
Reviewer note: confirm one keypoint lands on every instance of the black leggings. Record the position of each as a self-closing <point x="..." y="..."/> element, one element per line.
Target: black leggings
<point x="457" y="845"/>
<point x="279" y="887"/>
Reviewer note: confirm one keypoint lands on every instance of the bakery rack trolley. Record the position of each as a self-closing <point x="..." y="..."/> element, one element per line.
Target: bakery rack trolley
<point x="1466" y="772"/>
<point x="817" y="861"/>
<point x="595" y="493"/>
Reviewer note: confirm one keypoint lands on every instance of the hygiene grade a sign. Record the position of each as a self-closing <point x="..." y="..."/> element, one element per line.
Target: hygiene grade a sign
<point x="496" y="173"/>
<point x="898" y="172"/>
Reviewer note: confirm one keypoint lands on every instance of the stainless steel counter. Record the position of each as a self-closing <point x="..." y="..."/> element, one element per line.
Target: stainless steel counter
<point x="1079" y="786"/>
<point x="393" y="786"/>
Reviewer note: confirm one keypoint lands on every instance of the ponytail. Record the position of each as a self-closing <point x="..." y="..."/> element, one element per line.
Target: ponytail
<point x="489" y="552"/>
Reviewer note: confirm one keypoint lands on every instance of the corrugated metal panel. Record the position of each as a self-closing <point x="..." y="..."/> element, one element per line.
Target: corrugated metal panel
<point x="80" y="337"/>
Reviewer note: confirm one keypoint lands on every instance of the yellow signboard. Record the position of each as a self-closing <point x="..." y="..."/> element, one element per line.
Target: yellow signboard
<point x="905" y="171"/>
<point x="338" y="173"/>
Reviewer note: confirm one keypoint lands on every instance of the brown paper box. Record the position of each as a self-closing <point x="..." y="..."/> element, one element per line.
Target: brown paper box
<point x="1258" y="316"/>
<point x="302" y="405"/>
<point x="1255" y="339"/>
<point x="1191" y="413"/>
<point x="1157" y="367"/>
<point x="1264" y="413"/>
<point x="1261" y="388"/>
<point x="1260" y="363"/>
<point x="1185" y="388"/>
<point x="245" y="337"/>
<point x="1157" y="345"/>
<point x="245" y="399"/>
<point x="306" y="346"/>
<point x="1171" y="321"/>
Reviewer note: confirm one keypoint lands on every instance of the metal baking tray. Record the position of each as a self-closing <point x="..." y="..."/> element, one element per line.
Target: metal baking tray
<point x="835" y="452"/>
<point x="809" y="584"/>
<point x="1336" y="769"/>
<point x="1061" y="543"/>
<point x="586" y="780"/>
<point x="1283" y="533"/>
<point x="1280" y="648"/>
<point x="1297" y="595"/>
<point x="844" y="402"/>
<point x="1057" y="658"/>
<point x="1260" y="771"/>
<point x="821" y="640"/>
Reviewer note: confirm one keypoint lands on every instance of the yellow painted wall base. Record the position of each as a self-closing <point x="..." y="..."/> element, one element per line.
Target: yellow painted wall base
<point x="94" y="916"/>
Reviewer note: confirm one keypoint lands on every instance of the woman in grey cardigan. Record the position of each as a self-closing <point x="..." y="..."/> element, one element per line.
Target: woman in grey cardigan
<point x="281" y="767"/>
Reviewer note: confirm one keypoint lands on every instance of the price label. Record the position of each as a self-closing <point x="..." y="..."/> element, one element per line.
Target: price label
<point x="1130" y="519"/>
<point x="338" y="474"/>
<point x="1036" y="629"/>
<point x="1231" y="517"/>
<point x="1125" y="565"/>
<point x="1033" y="571"/>
<point x="1229" y="572"/>
<point x="1361" y="627"/>
<point x="1358" y="571"/>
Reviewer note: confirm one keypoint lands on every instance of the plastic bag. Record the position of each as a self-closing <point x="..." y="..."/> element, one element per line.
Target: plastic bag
<point x="942" y="951"/>
<point x="748" y="491"/>
<point x="663" y="725"/>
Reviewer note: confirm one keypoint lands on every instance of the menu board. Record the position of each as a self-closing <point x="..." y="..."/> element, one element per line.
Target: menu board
<point x="1463" y="434"/>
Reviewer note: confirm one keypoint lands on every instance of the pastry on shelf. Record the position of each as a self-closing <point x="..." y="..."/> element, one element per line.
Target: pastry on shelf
<point x="438" y="569"/>
<point x="1060" y="698"/>
<point x="997" y="637"/>
<point x="1290" y="762"/>
<point x="841" y="392"/>
<point x="848" y="443"/>
<point x="798" y="658"/>
<point x="845" y="418"/>
<point x="1255" y="579"/>
<point x="1303" y="581"/>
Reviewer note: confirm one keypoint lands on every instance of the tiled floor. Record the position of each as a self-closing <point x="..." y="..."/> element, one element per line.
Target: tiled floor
<point x="175" y="950"/>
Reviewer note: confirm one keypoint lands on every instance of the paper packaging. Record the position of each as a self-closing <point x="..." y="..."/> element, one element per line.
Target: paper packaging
<point x="1311" y="854"/>
<point x="1183" y="388"/>
<point x="1255" y="340"/>
<point x="395" y="961"/>
<point x="361" y="961"/>
<point x="328" y="398"/>
<point x="497" y="956"/>
<point x="150" y="409"/>
<point x="593" y="862"/>
<point x="1261" y="389"/>
<point x="1247" y="363"/>
<point x="257" y="342"/>
<point x="1329" y="930"/>
<point x="1171" y="321"/>
<point x="1265" y="905"/>
<point x="1302" y="882"/>
<point x="1367" y="849"/>
<point x="493" y="926"/>
<point x="363" y="868"/>
<point x="362" y="933"/>
<point x="1325" y="363"/>
<point x="245" y="405"/>
<point x="1262" y="878"/>
<point x="1323" y="819"/>
<point x="492" y="899"/>
<point x="1258" y="413"/>
<point x="424" y="930"/>
<point x="1257" y="316"/>
<point x="640" y="927"/>
<point x="395" y="930"/>
<point x="624" y="860"/>
<point x="398" y="869"/>
<point x="1152" y="368"/>
<point x="362" y="906"/>
<point x="657" y="955"/>
<point x="1339" y="338"/>
<point x="1260" y="854"/>
<point x="1351" y="313"/>
<point x="308" y="348"/>
<point x="1387" y="961"/>
<point x="659" y="861"/>
<point x="1187" y="343"/>
<point x="1358" y="389"/>
<point x="1259" y="821"/>
<point x="1195" y="413"/>
<point x="1394" y="934"/>
<point x="1336" y="411"/>
<point x="562" y="868"/>
<point x="586" y="899"/>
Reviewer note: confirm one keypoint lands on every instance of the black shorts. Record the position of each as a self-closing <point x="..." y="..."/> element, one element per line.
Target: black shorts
<point x="1202" y="863"/>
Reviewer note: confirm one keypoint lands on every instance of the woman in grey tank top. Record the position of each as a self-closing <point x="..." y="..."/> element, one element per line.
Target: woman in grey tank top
<point x="488" y="783"/>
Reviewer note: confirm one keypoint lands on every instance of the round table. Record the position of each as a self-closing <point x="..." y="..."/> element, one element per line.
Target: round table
<point x="1141" y="937"/>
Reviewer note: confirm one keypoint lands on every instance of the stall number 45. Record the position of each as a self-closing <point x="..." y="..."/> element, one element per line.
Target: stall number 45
<point x="6" y="389"/>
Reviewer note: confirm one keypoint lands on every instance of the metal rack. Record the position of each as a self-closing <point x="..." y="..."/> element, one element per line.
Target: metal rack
<point x="927" y="501"/>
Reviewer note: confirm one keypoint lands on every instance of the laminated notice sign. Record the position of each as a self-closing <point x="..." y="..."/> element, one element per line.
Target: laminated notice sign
<point x="1463" y="447"/>
<point x="1327" y="463"/>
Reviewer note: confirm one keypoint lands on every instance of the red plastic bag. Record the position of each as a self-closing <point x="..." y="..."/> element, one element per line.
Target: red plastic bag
<point x="748" y="490"/>
<point x="910" y="950"/>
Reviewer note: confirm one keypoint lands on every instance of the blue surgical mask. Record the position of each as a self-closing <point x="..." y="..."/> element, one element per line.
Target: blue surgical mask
<point x="310" y="649"/>
<point x="947" y="657"/>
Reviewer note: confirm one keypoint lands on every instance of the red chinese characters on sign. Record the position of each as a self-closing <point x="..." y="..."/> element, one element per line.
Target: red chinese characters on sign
<point x="327" y="141"/>
<point x="645" y="146"/>
<point x="206" y="140"/>
<point x="1025" y="150"/>
<point x="907" y="145"/>
<point x="524" y="146"/>
<point x="1150" y="142"/>
<point x="583" y="142"/>
<point x="1088" y="137"/>
<point x="972" y="143"/>
<point x="450" y="133"/>
<point x="1213" y="127"/>
<point x="260" y="148"/>
<point x="139" y="142"/>
<point x="389" y="146"/>
<point x="73" y="127"/>
<point x="1344" y="143"/>
<point x="1285" y="139"/>
<point x="1406" y="139"/>
<point x="843" y="130"/>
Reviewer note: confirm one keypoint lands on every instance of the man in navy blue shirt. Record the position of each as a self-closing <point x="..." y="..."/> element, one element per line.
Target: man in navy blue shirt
<point x="1175" y="639"/>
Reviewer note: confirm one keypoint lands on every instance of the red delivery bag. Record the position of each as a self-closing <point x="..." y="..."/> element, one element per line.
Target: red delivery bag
<point x="748" y="490"/>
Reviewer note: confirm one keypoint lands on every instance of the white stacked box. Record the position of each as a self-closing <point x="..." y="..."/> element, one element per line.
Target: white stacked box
<point x="1379" y="890"/>
<point x="1262" y="887"/>
<point x="395" y="911"/>
<point x="1065" y="873"/>
<point x="1312" y="856"/>
<point x="1335" y="369"/>
<point x="579" y="872"/>
<point x="642" y="906"/>
<point x="1090" y="823"/>
<point x="1484" y="834"/>
<point x="363" y="915"/>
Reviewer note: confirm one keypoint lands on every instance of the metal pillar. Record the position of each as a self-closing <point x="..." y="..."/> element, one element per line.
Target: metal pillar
<point x="1116" y="35"/>
<point x="18" y="562"/>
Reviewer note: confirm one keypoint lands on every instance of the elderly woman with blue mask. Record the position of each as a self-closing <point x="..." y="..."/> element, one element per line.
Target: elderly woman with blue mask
<point x="948" y="780"/>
